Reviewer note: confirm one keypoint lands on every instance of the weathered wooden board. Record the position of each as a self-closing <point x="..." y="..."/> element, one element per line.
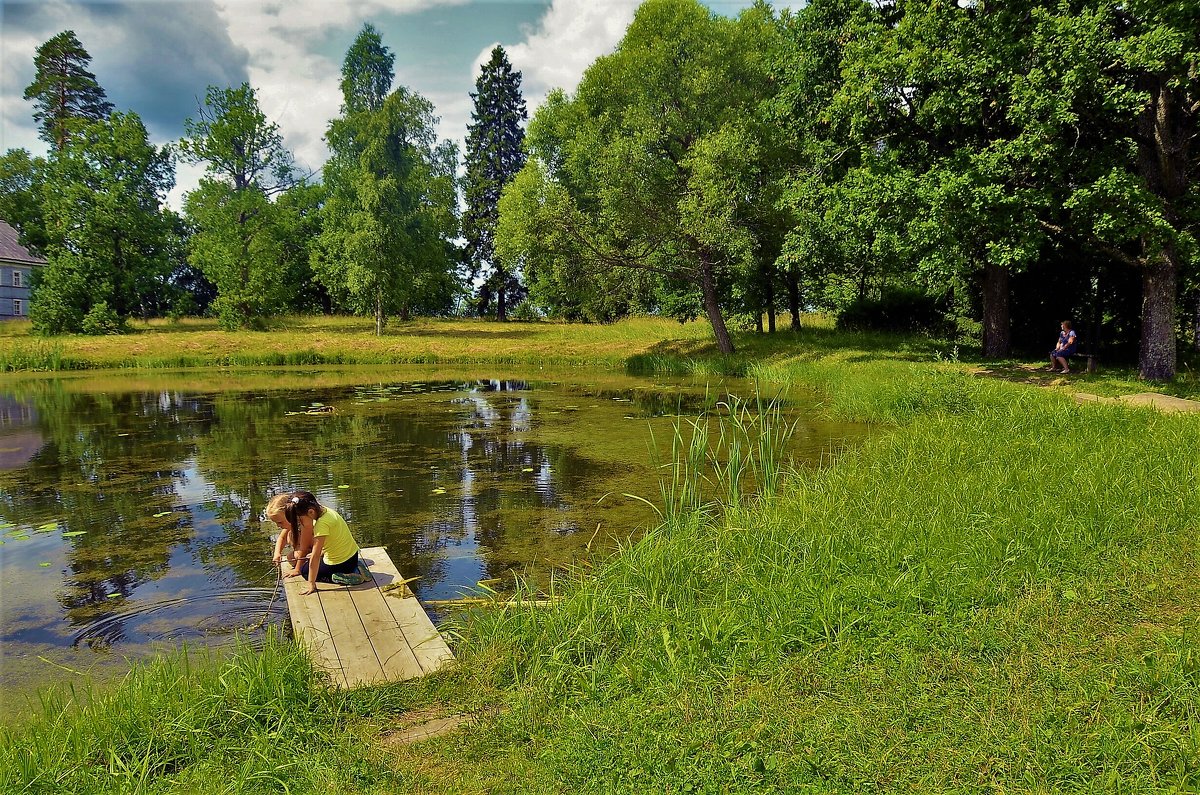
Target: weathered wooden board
<point x="363" y="634"/>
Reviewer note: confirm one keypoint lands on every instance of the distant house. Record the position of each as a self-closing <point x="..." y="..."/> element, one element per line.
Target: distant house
<point x="16" y="268"/>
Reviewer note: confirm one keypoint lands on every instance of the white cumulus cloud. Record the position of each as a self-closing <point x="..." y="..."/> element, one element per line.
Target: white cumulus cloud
<point x="569" y="36"/>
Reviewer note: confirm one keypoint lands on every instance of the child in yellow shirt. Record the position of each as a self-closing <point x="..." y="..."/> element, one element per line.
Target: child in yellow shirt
<point x="334" y="549"/>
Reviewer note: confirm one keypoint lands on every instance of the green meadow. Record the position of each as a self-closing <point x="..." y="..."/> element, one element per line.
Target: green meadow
<point x="996" y="592"/>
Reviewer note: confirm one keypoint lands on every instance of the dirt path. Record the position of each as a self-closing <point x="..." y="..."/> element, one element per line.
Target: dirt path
<point x="1165" y="403"/>
<point x="1039" y="376"/>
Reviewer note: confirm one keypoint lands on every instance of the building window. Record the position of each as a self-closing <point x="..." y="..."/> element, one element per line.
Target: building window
<point x="17" y="280"/>
<point x="18" y="307"/>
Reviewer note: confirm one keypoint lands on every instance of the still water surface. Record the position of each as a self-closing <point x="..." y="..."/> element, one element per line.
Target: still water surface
<point x="130" y="504"/>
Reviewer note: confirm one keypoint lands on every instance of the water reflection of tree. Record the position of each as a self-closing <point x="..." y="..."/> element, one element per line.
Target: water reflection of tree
<point x="109" y="462"/>
<point x="474" y="440"/>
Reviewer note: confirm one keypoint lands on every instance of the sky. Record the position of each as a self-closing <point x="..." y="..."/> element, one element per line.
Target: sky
<point x="156" y="57"/>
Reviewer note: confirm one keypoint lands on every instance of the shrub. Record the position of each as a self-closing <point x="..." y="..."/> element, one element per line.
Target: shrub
<point x="101" y="319"/>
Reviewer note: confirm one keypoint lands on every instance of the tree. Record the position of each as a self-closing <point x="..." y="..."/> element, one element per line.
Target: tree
<point x="1123" y="80"/>
<point x="237" y="243"/>
<point x="367" y="74"/>
<point x="109" y="242"/>
<point x="494" y="155"/>
<point x="390" y="210"/>
<point x="21" y="181"/>
<point x="63" y="91"/>
<point x="300" y="226"/>
<point x="636" y="160"/>
<point x="807" y="67"/>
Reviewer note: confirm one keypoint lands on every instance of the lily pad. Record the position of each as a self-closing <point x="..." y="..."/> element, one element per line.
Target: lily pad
<point x="20" y="537"/>
<point x="114" y="596"/>
<point x="74" y="533"/>
<point x="45" y="564"/>
<point x="161" y="514"/>
<point x="344" y="486"/>
<point x="439" y="491"/>
<point x="527" y="469"/>
<point x="48" y="527"/>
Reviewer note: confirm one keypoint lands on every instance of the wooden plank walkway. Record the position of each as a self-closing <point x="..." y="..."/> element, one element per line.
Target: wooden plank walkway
<point x="363" y="635"/>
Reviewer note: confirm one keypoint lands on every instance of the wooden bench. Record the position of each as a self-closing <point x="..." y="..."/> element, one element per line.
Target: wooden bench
<point x="1091" y="360"/>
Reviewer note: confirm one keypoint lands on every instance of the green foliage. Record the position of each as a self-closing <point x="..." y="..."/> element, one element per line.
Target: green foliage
<point x="237" y="246"/>
<point x="63" y="91"/>
<point x="651" y="166"/>
<point x="101" y="319"/>
<point x="390" y="212"/>
<point x="21" y="178"/>
<point x="108" y="239"/>
<point x="493" y="157"/>
<point x="896" y="309"/>
<point x="367" y="72"/>
<point x="240" y="232"/>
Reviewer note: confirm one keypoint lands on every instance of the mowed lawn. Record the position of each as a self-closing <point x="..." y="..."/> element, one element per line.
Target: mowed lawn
<point x="319" y="339"/>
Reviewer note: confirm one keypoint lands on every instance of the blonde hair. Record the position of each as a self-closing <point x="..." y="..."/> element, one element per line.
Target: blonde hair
<point x="277" y="503"/>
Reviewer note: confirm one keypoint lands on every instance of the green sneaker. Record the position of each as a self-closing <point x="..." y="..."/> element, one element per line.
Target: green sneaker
<point x="350" y="578"/>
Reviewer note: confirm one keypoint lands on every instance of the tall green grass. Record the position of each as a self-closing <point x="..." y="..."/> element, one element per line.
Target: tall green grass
<point x="999" y="598"/>
<point x="37" y="356"/>
<point x="255" y="721"/>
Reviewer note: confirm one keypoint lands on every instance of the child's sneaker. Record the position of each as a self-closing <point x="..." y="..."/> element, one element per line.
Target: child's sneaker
<point x="353" y="577"/>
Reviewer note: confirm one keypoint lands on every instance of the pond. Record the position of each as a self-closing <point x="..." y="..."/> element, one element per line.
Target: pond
<point x="130" y="503"/>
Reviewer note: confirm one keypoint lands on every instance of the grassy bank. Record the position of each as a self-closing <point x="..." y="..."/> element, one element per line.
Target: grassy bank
<point x="640" y="346"/>
<point x="997" y="593"/>
<point x="342" y="340"/>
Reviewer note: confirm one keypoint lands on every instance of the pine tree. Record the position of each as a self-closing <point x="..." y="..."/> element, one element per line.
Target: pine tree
<point x="494" y="155"/>
<point x="63" y="90"/>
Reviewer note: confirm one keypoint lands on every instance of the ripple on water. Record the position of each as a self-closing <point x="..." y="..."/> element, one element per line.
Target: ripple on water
<point x="244" y="613"/>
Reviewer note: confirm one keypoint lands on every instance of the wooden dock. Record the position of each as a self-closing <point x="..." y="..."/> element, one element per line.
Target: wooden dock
<point x="366" y="634"/>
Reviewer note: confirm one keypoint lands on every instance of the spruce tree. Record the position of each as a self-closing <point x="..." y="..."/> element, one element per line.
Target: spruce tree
<point x="63" y="90"/>
<point x="494" y="155"/>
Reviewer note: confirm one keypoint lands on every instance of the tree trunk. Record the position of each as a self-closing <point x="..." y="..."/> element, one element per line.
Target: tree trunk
<point x="1165" y="133"/>
<point x="769" y="290"/>
<point x="379" y="311"/>
<point x="758" y="324"/>
<point x="997" y="334"/>
<point x="1156" y="352"/>
<point x="712" y="308"/>
<point x="793" y="287"/>
<point x="501" y="278"/>
<point x="1196" y="325"/>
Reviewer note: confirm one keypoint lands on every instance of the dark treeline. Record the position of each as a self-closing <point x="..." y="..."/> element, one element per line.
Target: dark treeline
<point x="973" y="168"/>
